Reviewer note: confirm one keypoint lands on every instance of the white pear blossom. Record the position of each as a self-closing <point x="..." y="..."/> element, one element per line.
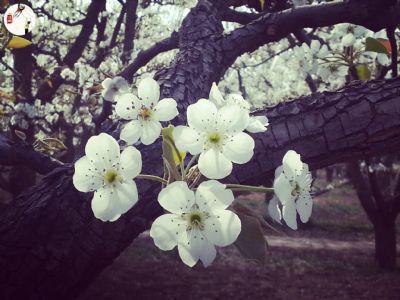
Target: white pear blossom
<point x="274" y="210"/>
<point x="110" y="175"/>
<point x="292" y="186"/>
<point x="145" y="112"/>
<point x="68" y="74"/>
<point x="255" y="124"/>
<point x="196" y="222"/>
<point x="217" y="135"/>
<point x="114" y="87"/>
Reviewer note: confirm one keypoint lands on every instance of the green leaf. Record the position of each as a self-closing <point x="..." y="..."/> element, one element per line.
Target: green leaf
<point x="363" y="72"/>
<point x="177" y="155"/>
<point x="374" y="45"/>
<point x="172" y="157"/>
<point x="17" y="42"/>
<point x="251" y="242"/>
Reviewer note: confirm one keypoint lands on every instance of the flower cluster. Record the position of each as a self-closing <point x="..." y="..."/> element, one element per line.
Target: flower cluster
<point x="292" y="186"/>
<point x="197" y="217"/>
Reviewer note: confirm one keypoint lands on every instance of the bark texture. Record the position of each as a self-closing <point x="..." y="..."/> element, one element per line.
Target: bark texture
<point x="51" y="246"/>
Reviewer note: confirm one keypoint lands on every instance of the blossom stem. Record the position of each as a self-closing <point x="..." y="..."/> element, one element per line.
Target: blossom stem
<point x="190" y="163"/>
<point x="152" y="177"/>
<point x="249" y="188"/>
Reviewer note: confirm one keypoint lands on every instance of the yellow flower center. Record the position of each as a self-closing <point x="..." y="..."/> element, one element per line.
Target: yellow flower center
<point x="145" y="113"/>
<point x="214" y="137"/>
<point x="296" y="190"/>
<point x="195" y="219"/>
<point x="111" y="176"/>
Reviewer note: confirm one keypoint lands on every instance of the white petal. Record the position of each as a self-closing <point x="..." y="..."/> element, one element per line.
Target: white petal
<point x="103" y="204"/>
<point x="304" y="206"/>
<point x="115" y="218"/>
<point x="292" y="164"/>
<point x="149" y="91"/>
<point x="127" y="196"/>
<point x="86" y="178"/>
<point x="238" y="100"/>
<point x="289" y="214"/>
<point x="166" y="230"/>
<point x="278" y="171"/>
<point x="131" y="162"/>
<point x="274" y="210"/>
<point x="131" y="132"/>
<point x="106" y="83"/>
<point x="257" y="124"/>
<point x="127" y="106"/>
<point x="315" y="45"/>
<point x="176" y="198"/>
<point x="383" y="59"/>
<point x="188" y="139"/>
<point x="121" y="84"/>
<point x="239" y="148"/>
<point x="222" y="228"/>
<point x="201" y="248"/>
<point x="212" y="195"/>
<point x="348" y="40"/>
<point x="232" y="119"/>
<point x="283" y="189"/>
<point x="108" y="94"/>
<point x="201" y="115"/>
<point x="304" y="180"/>
<point x="214" y="165"/>
<point x="185" y="250"/>
<point x="150" y="132"/>
<point x="166" y="110"/>
<point x="216" y="96"/>
<point x="103" y="150"/>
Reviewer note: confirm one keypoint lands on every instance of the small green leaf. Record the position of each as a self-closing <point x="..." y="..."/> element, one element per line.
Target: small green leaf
<point x="375" y="45"/>
<point x="177" y="155"/>
<point x="363" y="72"/>
<point x="17" y="42"/>
<point x="250" y="242"/>
<point x="172" y="157"/>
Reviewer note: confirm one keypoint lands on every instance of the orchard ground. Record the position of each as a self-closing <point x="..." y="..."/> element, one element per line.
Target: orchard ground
<point x="330" y="258"/>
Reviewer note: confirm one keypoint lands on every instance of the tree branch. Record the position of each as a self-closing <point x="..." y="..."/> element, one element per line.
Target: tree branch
<point x="145" y="56"/>
<point x="14" y="153"/>
<point x="130" y="29"/>
<point x="274" y="26"/>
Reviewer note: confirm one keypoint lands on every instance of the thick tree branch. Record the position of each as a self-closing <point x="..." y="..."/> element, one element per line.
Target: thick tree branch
<point x="357" y="122"/>
<point x="231" y="15"/>
<point x="327" y="128"/>
<point x="274" y="26"/>
<point x="14" y="153"/>
<point x="145" y="56"/>
<point x="130" y="29"/>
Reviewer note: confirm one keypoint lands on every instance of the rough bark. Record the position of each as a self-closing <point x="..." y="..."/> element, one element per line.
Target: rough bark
<point x="51" y="246"/>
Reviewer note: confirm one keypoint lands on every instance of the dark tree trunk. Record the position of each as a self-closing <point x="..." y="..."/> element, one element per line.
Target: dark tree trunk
<point x="385" y="243"/>
<point x="130" y="29"/>
<point x="382" y="216"/>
